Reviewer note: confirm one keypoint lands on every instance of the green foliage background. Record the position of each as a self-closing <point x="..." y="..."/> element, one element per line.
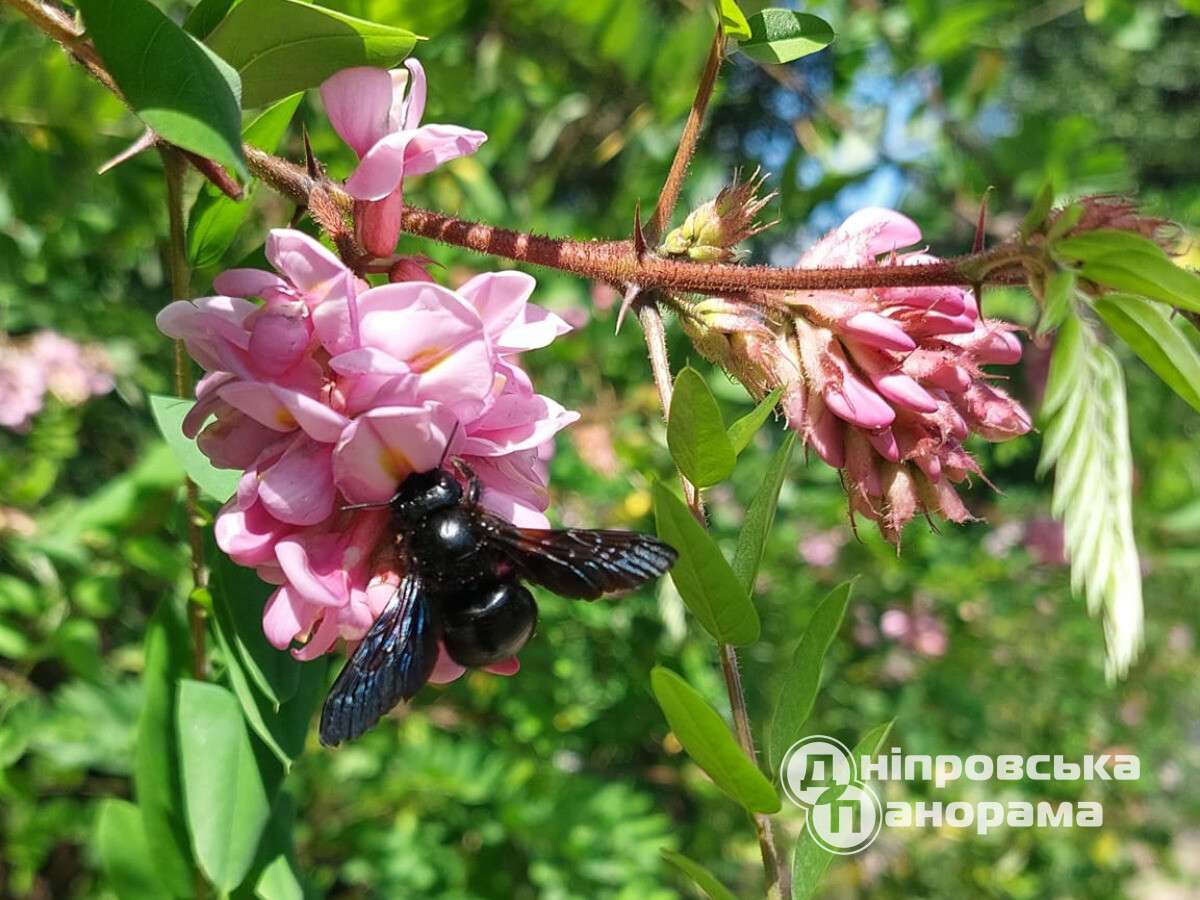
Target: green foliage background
<point x="562" y="782"/>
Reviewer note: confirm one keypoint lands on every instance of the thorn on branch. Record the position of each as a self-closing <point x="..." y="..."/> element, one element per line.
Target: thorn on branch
<point x="639" y="236"/>
<point x="631" y="294"/>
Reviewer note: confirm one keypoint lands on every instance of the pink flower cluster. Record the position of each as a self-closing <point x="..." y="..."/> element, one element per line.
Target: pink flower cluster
<point x="885" y="384"/>
<point x="329" y="392"/>
<point x="48" y="363"/>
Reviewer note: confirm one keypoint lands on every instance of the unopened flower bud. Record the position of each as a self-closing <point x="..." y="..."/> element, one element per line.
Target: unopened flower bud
<point x="711" y="232"/>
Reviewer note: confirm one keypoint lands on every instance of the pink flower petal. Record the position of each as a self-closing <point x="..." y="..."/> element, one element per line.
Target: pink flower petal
<point x="358" y="102"/>
<point x="381" y="168"/>
<point x="383" y="446"/>
<point x="298" y="489"/>
<point x="414" y="106"/>
<point x="286" y="615"/>
<point x="499" y="298"/>
<point x="901" y="389"/>
<point x="308" y="265"/>
<point x="249" y="536"/>
<point x="434" y="145"/>
<point x="260" y="402"/>
<point x="537" y="328"/>
<point x="379" y="222"/>
<point x="312" y="566"/>
<point x="877" y="331"/>
<point x="248" y="283"/>
<point x="445" y="670"/>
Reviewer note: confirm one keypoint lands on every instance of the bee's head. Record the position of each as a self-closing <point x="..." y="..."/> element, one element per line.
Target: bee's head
<point x="423" y="493"/>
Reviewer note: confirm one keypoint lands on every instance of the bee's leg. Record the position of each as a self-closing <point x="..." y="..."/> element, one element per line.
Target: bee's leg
<point x="473" y="485"/>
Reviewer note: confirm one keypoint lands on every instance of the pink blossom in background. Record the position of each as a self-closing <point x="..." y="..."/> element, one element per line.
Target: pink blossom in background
<point x="378" y="113"/>
<point x="326" y="392"/>
<point x="885" y="384"/>
<point x="821" y="548"/>
<point x="920" y="631"/>
<point x="48" y="362"/>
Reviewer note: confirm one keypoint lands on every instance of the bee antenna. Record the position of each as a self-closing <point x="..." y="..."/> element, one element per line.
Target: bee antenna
<point x="449" y="441"/>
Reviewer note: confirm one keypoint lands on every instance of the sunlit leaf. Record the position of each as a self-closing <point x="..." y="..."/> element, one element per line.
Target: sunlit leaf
<point x="1129" y="262"/>
<point x="1147" y="328"/>
<point x="228" y="802"/>
<point x="175" y="84"/>
<point x="708" y="741"/>
<point x="742" y="432"/>
<point x="169" y="413"/>
<point x="1036" y="217"/>
<point x="733" y="20"/>
<point x="781" y="35"/>
<point x="280" y="47"/>
<point x="1059" y="293"/>
<point x="703" y="578"/>
<point x="760" y="516"/>
<point x="696" y="432"/>
<point x="800" y="681"/>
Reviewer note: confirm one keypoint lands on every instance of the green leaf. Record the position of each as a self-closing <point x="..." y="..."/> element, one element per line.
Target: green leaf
<point x="206" y="15"/>
<point x="1147" y="328"/>
<point x="1086" y="440"/>
<point x="279" y="877"/>
<point x="1036" y="217"/>
<point x="733" y="20"/>
<point x="1067" y="219"/>
<point x="704" y="579"/>
<point x="809" y="859"/>
<point x="696" y="433"/>
<point x="280" y="47"/>
<point x="215" y="218"/>
<point x="700" y="876"/>
<point x="708" y="741"/>
<point x="742" y="432"/>
<point x="169" y="413"/>
<point x="1056" y="303"/>
<point x="132" y="871"/>
<point x="239" y="597"/>
<point x="228" y="804"/>
<point x="157" y="784"/>
<point x="803" y="677"/>
<point x="1129" y="262"/>
<point x="780" y="36"/>
<point x="175" y="84"/>
<point x="760" y="516"/>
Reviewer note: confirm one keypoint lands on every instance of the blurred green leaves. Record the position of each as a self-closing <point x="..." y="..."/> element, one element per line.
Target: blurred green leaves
<point x="700" y="876"/>
<point x="175" y="84"/>
<point x="708" y="741"/>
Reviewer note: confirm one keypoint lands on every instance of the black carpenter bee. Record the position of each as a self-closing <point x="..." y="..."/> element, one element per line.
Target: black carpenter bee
<point x="463" y="569"/>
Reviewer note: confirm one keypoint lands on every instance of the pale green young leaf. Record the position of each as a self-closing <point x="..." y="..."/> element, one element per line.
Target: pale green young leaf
<point x="1125" y="261"/>
<point x="1036" y="217"/>
<point x="802" y="678"/>
<point x="696" y="433"/>
<point x="781" y="36"/>
<point x="1087" y="441"/>
<point x="175" y="84"/>
<point x="733" y="20"/>
<point x="1148" y="330"/>
<point x="280" y="47"/>
<point x="742" y="432"/>
<point x="1056" y="304"/>
<point x="709" y="742"/>
<point x="703" y="578"/>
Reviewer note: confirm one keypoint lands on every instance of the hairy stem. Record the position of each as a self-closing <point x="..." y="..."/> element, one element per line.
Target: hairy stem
<point x="174" y="167"/>
<point x="777" y="876"/>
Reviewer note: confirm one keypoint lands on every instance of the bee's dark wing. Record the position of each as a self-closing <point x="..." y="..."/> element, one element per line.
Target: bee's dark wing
<point x="391" y="664"/>
<point x="580" y="562"/>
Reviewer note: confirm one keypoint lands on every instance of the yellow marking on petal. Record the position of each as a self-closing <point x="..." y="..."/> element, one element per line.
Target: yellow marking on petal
<point x="285" y="419"/>
<point x="429" y="357"/>
<point x="395" y="463"/>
